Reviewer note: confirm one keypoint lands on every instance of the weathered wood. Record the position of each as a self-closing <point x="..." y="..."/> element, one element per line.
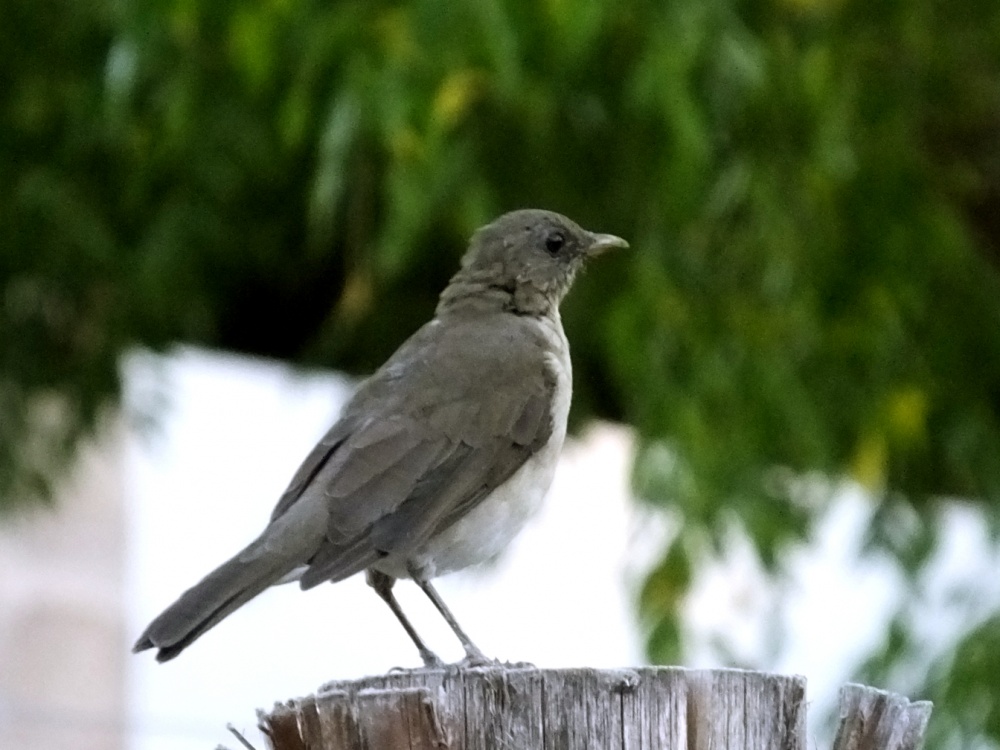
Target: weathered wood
<point x="523" y="708"/>
<point x="873" y="719"/>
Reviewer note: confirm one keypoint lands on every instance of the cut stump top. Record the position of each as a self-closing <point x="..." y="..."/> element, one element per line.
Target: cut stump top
<point x="524" y="708"/>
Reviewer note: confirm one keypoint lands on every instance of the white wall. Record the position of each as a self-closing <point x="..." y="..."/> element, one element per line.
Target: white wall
<point x="61" y="603"/>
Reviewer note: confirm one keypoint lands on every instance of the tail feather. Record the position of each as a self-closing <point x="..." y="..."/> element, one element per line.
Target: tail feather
<point x="209" y="601"/>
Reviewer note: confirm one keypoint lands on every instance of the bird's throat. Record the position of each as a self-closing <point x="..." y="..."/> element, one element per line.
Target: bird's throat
<point x="474" y="296"/>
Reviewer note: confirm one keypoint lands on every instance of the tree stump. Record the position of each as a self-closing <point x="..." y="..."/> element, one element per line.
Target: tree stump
<point x="524" y="708"/>
<point x="875" y="719"/>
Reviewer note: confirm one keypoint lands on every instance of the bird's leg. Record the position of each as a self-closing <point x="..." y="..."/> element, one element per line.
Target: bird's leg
<point x="383" y="587"/>
<point x="473" y="656"/>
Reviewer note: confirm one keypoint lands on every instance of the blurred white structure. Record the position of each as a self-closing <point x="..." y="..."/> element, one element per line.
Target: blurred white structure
<point x="61" y="605"/>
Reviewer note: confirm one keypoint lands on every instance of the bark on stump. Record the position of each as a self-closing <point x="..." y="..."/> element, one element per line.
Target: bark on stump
<point x="524" y="708"/>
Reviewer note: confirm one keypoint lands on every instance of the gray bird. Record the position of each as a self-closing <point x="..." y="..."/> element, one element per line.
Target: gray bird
<point x="440" y="456"/>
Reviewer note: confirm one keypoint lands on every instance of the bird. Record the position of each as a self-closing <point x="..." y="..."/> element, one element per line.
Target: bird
<point x="440" y="456"/>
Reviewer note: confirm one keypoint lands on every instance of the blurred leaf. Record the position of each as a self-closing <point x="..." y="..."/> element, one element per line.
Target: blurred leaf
<point x="664" y="644"/>
<point x="970" y="685"/>
<point x="667" y="583"/>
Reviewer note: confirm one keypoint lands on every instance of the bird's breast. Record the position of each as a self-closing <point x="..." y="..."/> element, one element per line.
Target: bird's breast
<point x="489" y="527"/>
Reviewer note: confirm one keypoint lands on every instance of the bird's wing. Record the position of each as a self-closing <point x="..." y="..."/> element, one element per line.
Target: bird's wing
<point x="425" y="439"/>
<point x="312" y="464"/>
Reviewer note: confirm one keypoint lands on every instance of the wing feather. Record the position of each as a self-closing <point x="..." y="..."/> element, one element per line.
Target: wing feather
<point x="421" y="445"/>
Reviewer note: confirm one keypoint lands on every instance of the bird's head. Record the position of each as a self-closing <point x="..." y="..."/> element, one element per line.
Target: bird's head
<point x="531" y="256"/>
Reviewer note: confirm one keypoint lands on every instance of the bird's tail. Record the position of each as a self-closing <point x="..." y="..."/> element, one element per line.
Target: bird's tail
<point x="209" y="601"/>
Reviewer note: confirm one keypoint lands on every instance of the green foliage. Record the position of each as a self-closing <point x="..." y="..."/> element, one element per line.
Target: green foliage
<point x="962" y="682"/>
<point x="59" y="334"/>
<point x="968" y="689"/>
<point x="660" y="603"/>
<point x="811" y="189"/>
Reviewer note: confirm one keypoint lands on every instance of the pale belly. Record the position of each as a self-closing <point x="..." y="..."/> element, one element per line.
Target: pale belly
<point x="492" y="525"/>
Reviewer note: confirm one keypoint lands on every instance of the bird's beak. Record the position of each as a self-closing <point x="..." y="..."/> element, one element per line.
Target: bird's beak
<point x="601" y="243"/>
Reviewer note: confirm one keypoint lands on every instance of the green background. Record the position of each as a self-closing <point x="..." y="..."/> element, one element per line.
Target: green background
<point x="811" y="189"/>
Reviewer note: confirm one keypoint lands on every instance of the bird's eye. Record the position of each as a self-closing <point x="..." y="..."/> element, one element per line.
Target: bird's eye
<point x="554" y="242"/>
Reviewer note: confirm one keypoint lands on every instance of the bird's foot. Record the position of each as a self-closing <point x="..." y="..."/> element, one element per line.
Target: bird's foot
<point x="432" y="661"/>
<point x="475" y="658"/>
<point x="519" y="665"/>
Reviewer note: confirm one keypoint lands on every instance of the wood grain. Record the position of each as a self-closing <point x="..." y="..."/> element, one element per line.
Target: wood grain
<point x="524" y="708"/>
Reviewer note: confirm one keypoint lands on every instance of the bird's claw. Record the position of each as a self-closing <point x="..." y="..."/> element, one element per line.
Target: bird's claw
<point x="519" y="665"/>
<point x="433" y="661"/>
<point x="477" y="659"/>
